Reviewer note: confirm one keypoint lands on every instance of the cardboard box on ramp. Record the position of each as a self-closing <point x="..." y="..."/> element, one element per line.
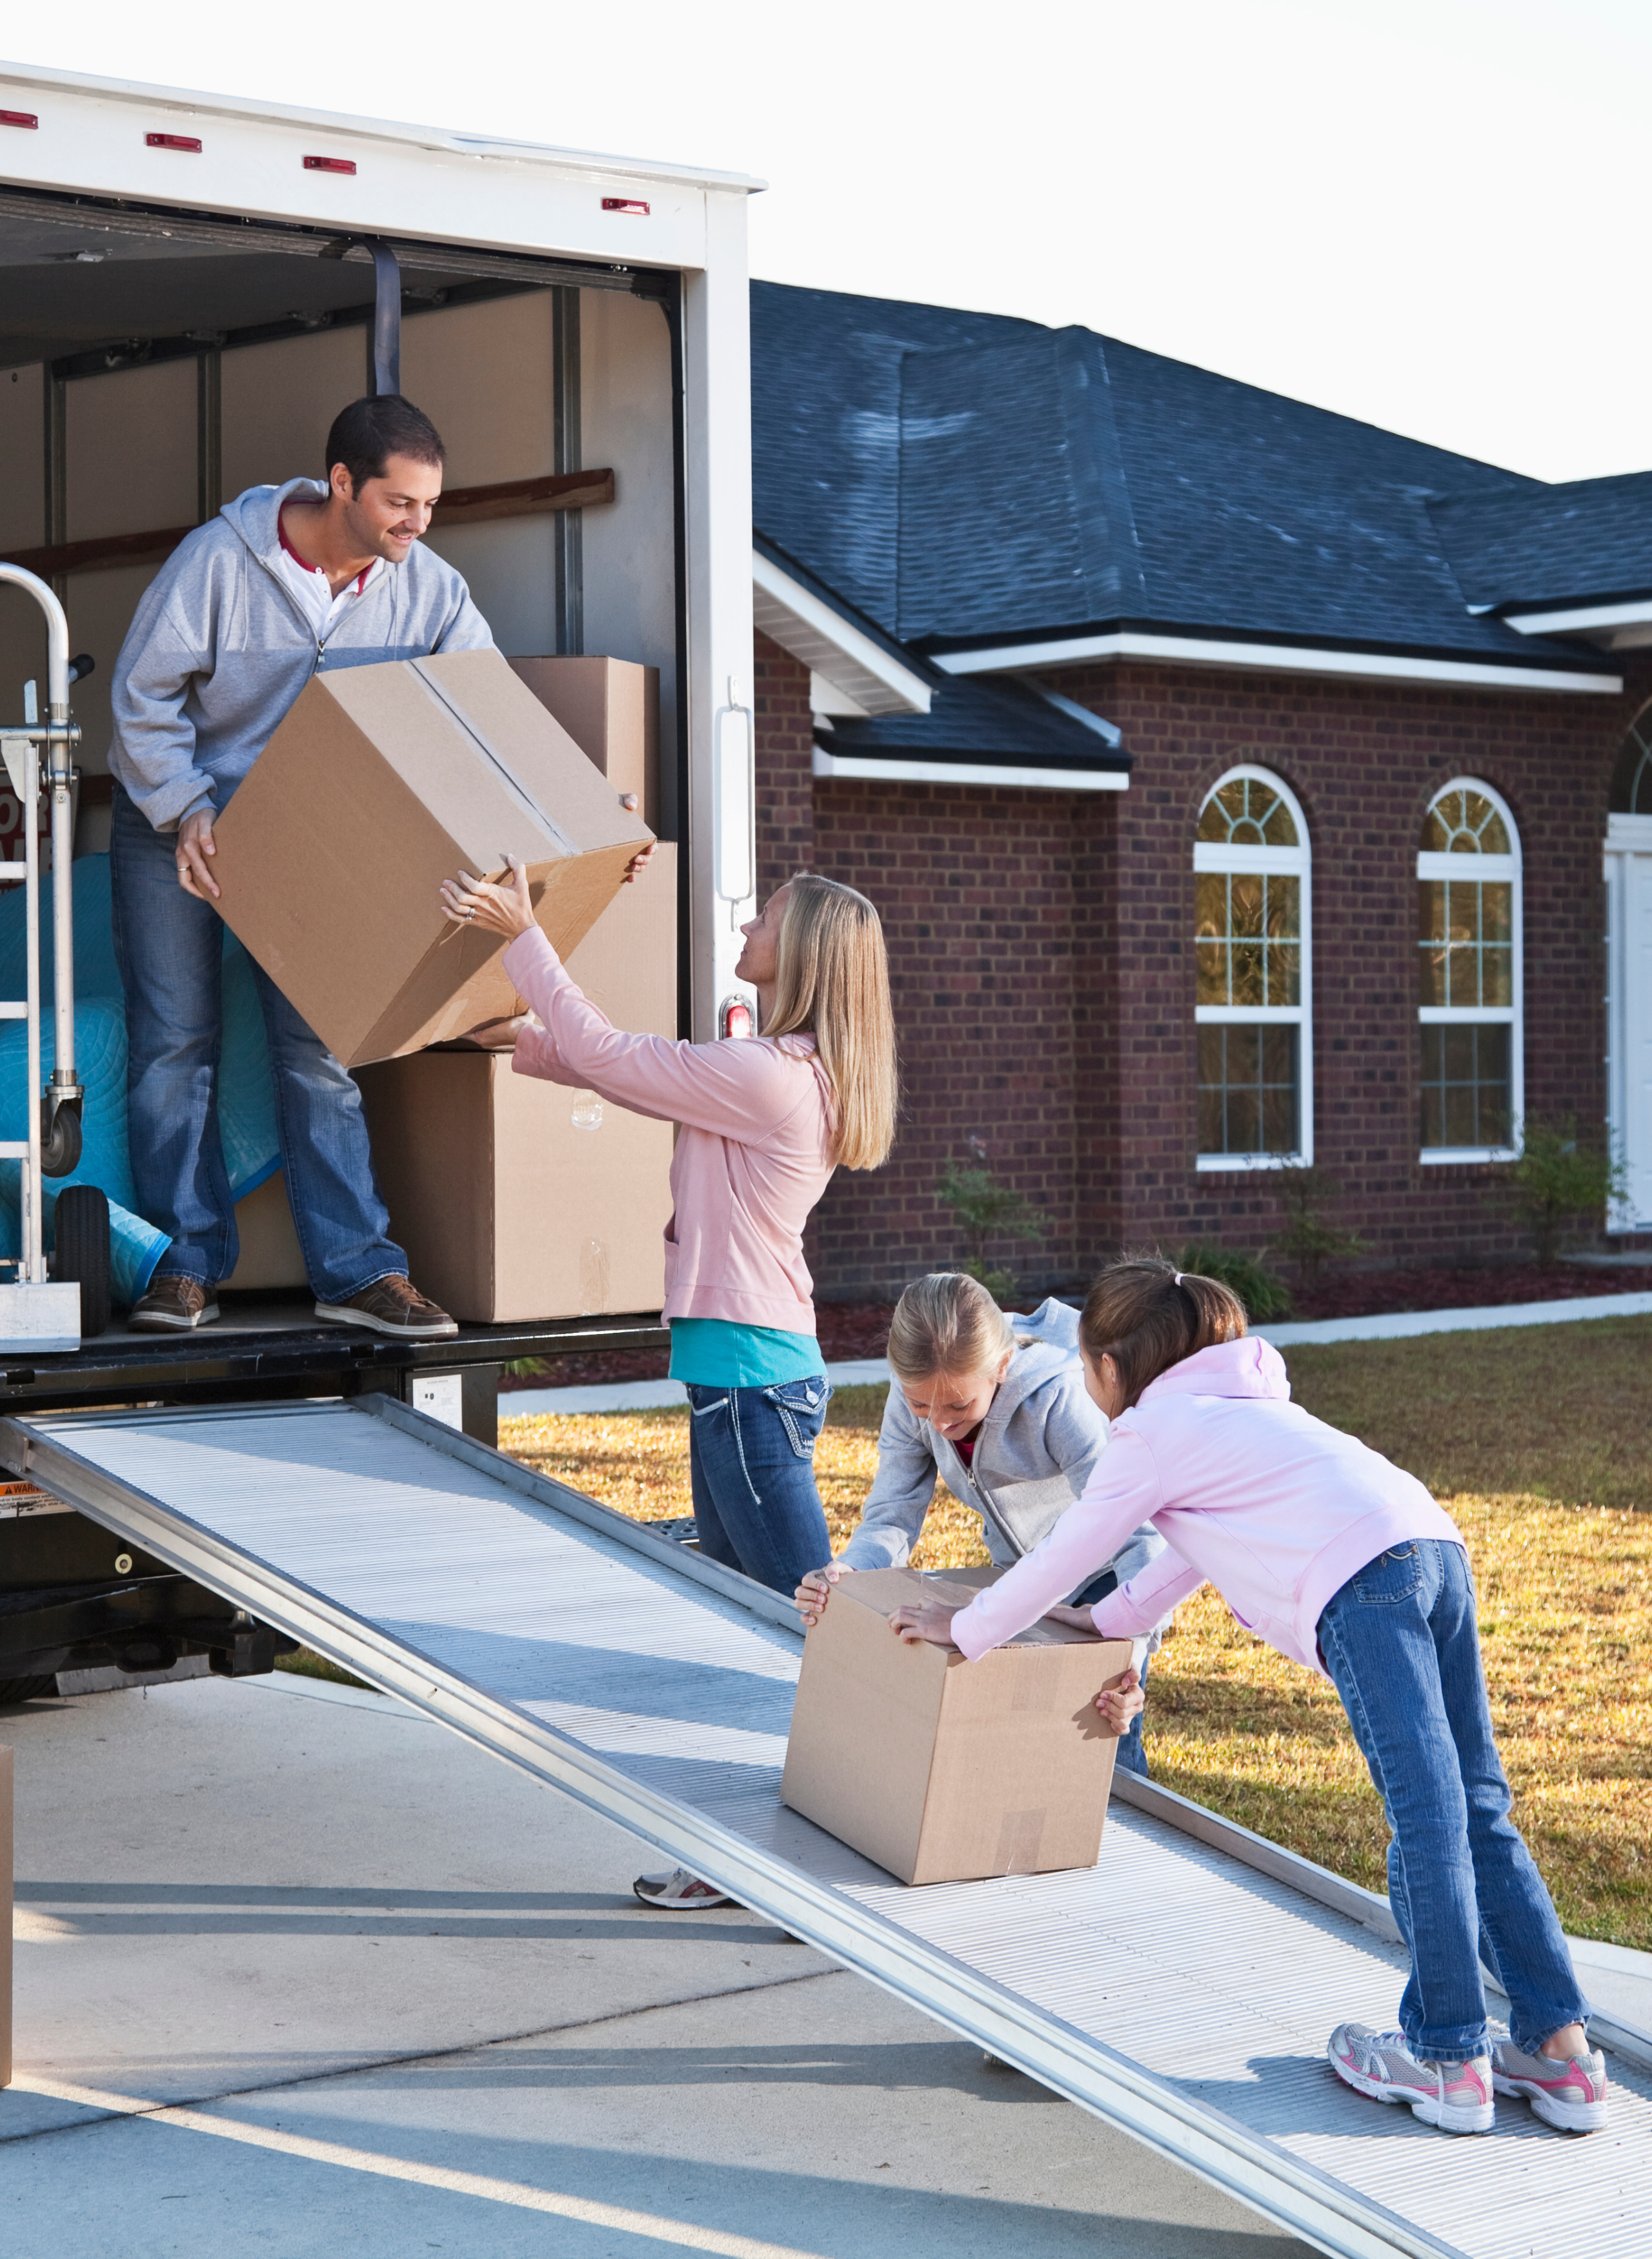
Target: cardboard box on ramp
<point x="379" y="783"/>
<point x="519" y="1199"/>
<point x="944" y="1771"/>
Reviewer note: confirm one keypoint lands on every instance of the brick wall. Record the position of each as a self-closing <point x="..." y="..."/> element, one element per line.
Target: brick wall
<point x="1041" y="945"/>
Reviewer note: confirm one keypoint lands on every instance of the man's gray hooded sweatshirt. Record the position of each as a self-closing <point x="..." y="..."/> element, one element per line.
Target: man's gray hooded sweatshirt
<point x="1033" y="1457"/>
<point x="220" y="647"/>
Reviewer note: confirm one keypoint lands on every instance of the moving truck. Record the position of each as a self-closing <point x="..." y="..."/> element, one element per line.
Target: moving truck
<point x="190" y="287"/>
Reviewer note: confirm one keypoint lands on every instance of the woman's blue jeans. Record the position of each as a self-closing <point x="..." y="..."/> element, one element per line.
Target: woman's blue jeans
<point x="169" y="947"/>
<point x="1401" y="1643"/>
<point x="752" y="1457"/>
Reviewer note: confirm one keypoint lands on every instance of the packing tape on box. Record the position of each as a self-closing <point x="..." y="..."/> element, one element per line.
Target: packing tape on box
<point x="1018" y="1841"/>
<point x="548" y="823"/>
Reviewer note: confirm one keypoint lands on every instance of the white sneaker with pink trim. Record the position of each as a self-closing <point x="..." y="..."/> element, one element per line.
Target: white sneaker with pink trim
<point x="1455" y="2097"/>
<point x="681" y="1892"/>
<point x="1570" y="2095"/>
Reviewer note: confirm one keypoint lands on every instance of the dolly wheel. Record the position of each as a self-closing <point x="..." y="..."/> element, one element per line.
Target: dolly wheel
<point x="80" y="1251"/>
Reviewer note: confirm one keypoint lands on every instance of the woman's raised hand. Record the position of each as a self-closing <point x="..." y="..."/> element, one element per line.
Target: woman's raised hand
<point x="497" y="905"/>
<point x="812" y="1594"/>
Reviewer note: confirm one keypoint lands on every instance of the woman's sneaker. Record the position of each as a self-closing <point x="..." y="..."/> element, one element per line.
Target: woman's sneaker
<point x="681" y="1892"/>
<point x="1455" y="2097"/>
<point x="1570" y="2095"/>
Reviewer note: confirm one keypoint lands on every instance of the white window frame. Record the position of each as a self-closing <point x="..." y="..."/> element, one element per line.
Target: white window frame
<point x="1488" y="869"/>
<point x="1283" y="862"/>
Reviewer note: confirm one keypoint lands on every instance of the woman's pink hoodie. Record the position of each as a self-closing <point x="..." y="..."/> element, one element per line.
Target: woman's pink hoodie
<point x="754" y="1157"/>
<point x="1250" y="1493"/>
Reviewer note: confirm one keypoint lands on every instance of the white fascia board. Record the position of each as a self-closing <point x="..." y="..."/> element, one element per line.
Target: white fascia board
<point x="1582" y="619"/>
<point x="827" y="644"/>
<point x="873" y="772"/>
<point x="372" y="129"/>
<point x="1275" y="658"/>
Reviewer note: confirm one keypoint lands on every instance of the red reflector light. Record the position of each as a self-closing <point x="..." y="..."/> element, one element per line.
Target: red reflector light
<point x="735" y="1018"/>
<point x="20" y="117"/>
<point x="330" y="164"/>
<point x="184" y="141"/>
<point x="626" y="204"/>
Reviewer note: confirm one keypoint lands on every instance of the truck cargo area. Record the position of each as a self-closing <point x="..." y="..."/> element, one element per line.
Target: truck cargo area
<point x="1179" y="1989"/>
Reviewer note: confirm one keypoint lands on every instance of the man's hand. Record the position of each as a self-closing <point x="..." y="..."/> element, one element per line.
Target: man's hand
<point x="644" y="856"/>
<point x="913" y="1626"/>
<point x="195" y="844"/>
<point x="1120" y="1705"/>
<point x="812" y="1594"/>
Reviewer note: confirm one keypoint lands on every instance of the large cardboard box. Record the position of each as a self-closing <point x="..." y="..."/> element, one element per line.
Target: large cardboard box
<point x="380" y="782"/>
<point x="518" y="1200"/>
<point x="610" y="707"/>
<point x="944" y="1771"/>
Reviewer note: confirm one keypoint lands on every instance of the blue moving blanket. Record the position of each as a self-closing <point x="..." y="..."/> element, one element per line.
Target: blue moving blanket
<point x="246" y="1092"/>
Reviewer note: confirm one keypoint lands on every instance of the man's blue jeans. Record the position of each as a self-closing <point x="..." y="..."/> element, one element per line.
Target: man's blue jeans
<point x="169" y="948"/>
<point x="752" y="1458"/>
<point x="1402" y="1645"/>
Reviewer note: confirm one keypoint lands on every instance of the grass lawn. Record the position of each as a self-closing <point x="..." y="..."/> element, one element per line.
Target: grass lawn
<point x="1537" y="1440"/>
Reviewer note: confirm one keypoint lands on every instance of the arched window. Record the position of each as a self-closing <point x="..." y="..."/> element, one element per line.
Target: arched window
<point x="1469" y="943"/>
<point x="1632" y="779"/>
<point x="1252" y="948"/>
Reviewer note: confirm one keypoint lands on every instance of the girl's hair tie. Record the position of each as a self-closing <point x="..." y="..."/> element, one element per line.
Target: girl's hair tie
<point x="1176" y="1280"/>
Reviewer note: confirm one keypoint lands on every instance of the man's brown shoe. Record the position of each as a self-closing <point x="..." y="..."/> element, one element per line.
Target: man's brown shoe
<point x="391" y="1306"/>
<point x="174" y="1304"/>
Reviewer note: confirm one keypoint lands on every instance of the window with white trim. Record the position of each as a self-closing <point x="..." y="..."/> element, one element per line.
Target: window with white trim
<point x="1253" y="952"/>
<point x="1469" y="989"/>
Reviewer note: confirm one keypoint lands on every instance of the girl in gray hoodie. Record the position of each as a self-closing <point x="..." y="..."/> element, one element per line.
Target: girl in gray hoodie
<point x="997" y="1408"/>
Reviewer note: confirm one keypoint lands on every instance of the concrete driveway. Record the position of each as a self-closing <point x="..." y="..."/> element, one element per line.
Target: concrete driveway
<point x="299" y="1972"/>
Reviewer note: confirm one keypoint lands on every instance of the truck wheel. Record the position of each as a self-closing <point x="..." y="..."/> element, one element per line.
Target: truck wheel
<point x="13" y="1691"/>
<point x="80" y="1250"/>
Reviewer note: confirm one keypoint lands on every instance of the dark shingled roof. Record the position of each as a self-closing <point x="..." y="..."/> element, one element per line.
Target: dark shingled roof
<point x="967" y="478"/>
<point x="980" y="721"/>
<point x="1591" y="539"/>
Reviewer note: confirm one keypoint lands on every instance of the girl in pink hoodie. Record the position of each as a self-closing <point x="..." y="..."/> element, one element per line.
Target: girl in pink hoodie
<point x="1346" y="1564"/>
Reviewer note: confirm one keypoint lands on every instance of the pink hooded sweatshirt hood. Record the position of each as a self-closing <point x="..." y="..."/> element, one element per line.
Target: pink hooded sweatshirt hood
<point x="1250" y="1492"/>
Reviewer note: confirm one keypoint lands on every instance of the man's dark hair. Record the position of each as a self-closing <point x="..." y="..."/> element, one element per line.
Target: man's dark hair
<point x="367" y="433"/>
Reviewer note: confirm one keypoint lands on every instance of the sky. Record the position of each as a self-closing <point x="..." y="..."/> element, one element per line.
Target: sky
<point x="1416" y="213"/>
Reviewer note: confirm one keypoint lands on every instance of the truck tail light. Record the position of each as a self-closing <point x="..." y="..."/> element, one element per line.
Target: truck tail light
<point x="25" y="117"/>
<point x="330" y="164"/>
<point x="634" y="205"/>
<point x="734" y="1017"/>
<point x="187" y="142"/>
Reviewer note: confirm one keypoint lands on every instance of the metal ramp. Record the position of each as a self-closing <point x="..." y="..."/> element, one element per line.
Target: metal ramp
<point x="1175" y="1991"/>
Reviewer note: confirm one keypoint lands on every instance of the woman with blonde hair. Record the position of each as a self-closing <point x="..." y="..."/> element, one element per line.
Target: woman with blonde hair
<point x="764" y="1124"/>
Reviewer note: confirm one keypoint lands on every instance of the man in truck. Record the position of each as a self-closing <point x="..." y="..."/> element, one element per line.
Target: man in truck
<point x="284" y="581"/>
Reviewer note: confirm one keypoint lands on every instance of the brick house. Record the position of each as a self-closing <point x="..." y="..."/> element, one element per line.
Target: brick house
<point x="1236" y="781"/>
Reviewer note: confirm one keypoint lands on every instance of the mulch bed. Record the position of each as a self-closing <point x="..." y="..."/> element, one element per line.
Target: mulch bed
<point x="860" y="1330"/>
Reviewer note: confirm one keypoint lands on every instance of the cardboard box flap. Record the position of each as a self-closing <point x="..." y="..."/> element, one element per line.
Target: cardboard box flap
<point x="886" y="1590"/>
<point x="524" y="738"/>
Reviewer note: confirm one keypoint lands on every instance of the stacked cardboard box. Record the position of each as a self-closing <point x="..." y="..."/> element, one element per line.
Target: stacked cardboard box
<point x="944" y="1771"/>
<point x="518" y="1200"/>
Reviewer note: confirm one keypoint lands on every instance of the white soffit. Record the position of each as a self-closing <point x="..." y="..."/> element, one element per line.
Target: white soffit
<point x="858" y="766"/>
<point x="1614" y="627"/>
<point x="1276" y="658"/>
<point x="824" y="641"/>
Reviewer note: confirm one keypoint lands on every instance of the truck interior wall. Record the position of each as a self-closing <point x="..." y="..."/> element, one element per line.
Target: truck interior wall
<point x="483" y="370"/>
<point x="628" y="548"/>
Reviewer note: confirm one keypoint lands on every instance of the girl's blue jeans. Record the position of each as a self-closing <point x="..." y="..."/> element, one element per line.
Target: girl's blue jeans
<point x="752" y="1457"/>
<point x="1402" y="1645"/>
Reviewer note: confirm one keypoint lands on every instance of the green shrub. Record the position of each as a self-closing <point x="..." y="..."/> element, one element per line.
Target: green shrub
<point x="1262" y="1292"/>
<point x="1561" y="1180"/>
<point x="987" y="1209"/>
<point x="1307" y="1240"/>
